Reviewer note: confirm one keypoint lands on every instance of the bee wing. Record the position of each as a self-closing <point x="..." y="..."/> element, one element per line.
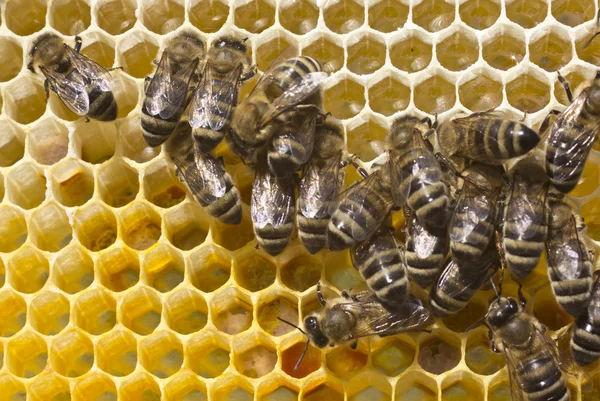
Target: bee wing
<point x="272" y="199"/>
<point x="456" y="280"/>
<point x="304" y="135"/>
<point x="267" y="78"/>
<point x="94" y="75"/>
<point x="423" y="169"/>
<point x="320" y="187"/>
<point x="70" y="90"/>
<point x="472" y="209"/>
<point x="466" y="122"/>
<point x="566" y="253"/>
<point x="425" y="243"/>
<point x="516" y="387"/>
<point x="526" y="210"/>
<point x="211" y="175"/>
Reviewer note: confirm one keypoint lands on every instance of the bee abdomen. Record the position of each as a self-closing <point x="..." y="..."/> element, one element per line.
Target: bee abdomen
<point x="294" y="69"/>
<point x="312" y="233"/>
<point x="103" y="106"/>
<point x="504" y="139"/>
<point x="423" y="271"/>
<point x="286" y="155"/>
<point x="351" y="222"/>
<point x="385" y="274"/>
<point x="542" y="381"/>
<point x="522" y="256"/>
<point x="566" y="156"/>
<point x="474" y="242"/>
<point x="156" y="130"/>
<point x="228" y="208"/>
<point x="207" y="139"/>
<point x="274" y="239"/>
<point x="572" y="295"/>
<point x="585" y="342"/>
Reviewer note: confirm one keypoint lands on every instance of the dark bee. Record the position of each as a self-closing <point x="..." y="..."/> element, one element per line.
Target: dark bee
<point x="166" y="93"/>
<point x="585" y="338"/>
<point x="80" y="83"/>
<point x="227" y="65"/>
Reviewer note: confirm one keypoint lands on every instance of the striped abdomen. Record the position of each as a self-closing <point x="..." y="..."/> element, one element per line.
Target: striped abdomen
<point x="274" y="239"/>
<point x="472" y="227"/>
<point x="425" y="253"/>
<point x="293" y="70"/>
<point x="103" y="105"/>
<point x="312" y="232"/>
<point x="540" y="377"/>
<point x="156" y="130"/>
<point x="585" y="339"/>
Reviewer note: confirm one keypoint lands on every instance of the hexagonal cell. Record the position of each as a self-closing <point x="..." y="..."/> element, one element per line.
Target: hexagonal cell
<point x="186" y="226"/>
<point x="12" y="388"/>
<point x="71" y="353"/>
<point x="269" y="310"/>
<point x="160" y="185"/>
<point x="24" y="99"/>
<point x="254" y="15"/>
<point x="528" y="93"/>
<point x="275" y="392"/>
<point x="412" y="52"/>
<point x="72" y="183"/>
<point x="345" y="99"/>
<point x="268" y="51"/>
<point x="207" y="355"/>
<point x="463" y="319"/>
<point x="324" y="391"/>
<point x="482" y="92"/>
<point x="589" y="53"/>
<point x="140" y="226"/>
<point x="231" y="311"/>
<point x="301" y="272"/>
<point x="28" y="270"/>
<point x="578" y="80"/>
<point x="132" y="144"/>
<point x="435" y="95"/>
<point x="253" y="270"/>
<point x="209" y="268"/>
<point x="49" y="386"/>
<point x="13" y="230"/>
<point x="95" y="311"/>
<point x="185" y="386"/>
<point x="161" y="354"/>
<point x="330" y="54"/>
<point x="394" y="356"/>
<point x="140" y="387"/>
<point x="12" y="143"/>
<point x="50" y="228"/>
<point x="186" y="311"/>
<point x="13" y="313"/>
<point x="504" y="48"/>
<point x="291" y="354"/>
<point x="95" y="387"/>
<point x="135" y="54"/>
<point x="361" y="133"/>
<point x="70" y="17"/>
<point x="208" y="15"/>
<point x="59" y="109"/>
<point x="26" y="354"/>
<point x="366" y="54"/>
<point x="572" y="12"/>
<point x="126" y="94"/>
<point x="140" y="310"/>
<point x="589" y="181"/>
<point x="344" y="362"/>
<point x="116" y="16"/>
<point x="433" y="15"/>
<point x="233" y="388"/>
<point x="116" y="353"/>
<point x="527" y="13"/>
<point x="25" y="17"/>
<point x="119" y="269"/>
<point x="416" y="386"/>
<point x="458" y="51"/>
<point x="547" y="310"/>
<point x="26" y="185"/>
<point x="100" y="48"/>
<point x="340" y="273"/>
<point x="49" y="313"/>
<point x="118" y="184"/>
<point x="480" y="14"/>
<point x="164" y="268"/>
<point x="480" y="358"/>
<point x="344" y="16"/>
<point x="369" y="386"/>
<point x="73" y="270"/>
<point x="389" y="96"/>
<point x="162" y="16"/>
<point x="439" y="354"/>
<point x="299" y="17"/>
<point x="388" y="15"/>
<point x="591" y="212"/>
<point x="13" y="61"/>
<point x="94" y="142"/>
<point x="254" y="357"/>
<point x="48" y="141"/>
<point x="461" y="386"/>
<point x="552" y="50"/>
<point x="95" y="227"/>
<point x="500" y="392"/>
<point x="233" y="237"/>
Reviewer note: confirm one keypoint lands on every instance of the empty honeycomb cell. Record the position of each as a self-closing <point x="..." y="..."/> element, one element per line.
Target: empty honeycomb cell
<point x="345" y="362"/>
<point x="26" y="185"/>
<point x="12" y="389"/>
<point x="186" y="311"/>
<point x="164" y="268"/>
<point x="499" y="392"/>
<point x="479" y="356"/>
<point x="458" y="51"/>
<point x="186" y="226"/>
<point x="253" y="271"/>
<point x="126" y="94"/>
<point x="433" y="15"/>
<point x="232" y="388"/>
<point x="140" y="226"/>
<point x="361" y="133"/>
<point x="72" y="182"/>
<point x="233" y="237"/>
<point x="388" y="15"/>
<point x="160" y="185"/>
<point x="589" y="181"/>
<point x="389" y="96"/>
<point x="587" y="52"/>
<point x="243" y="177"/>
<point x="482" y="92"/>
<point x="13" y="313"/>
<point x="49" y="386"/>
<point x="394" y="356"/>
<point x="13" y="230"/>
<point x="416" y="386"/>
<point x="527" y="13"/>
<point x="273" y="308"/>
<point x="299" y="17"/>
<point x="370" y="386"/>
<point x="572" y="12"/>
<point x="209" y="268"/>
<point x="267" y="52"/>
<point x="116" y="16"/>
<point x="95" y="387"/>
<point x="254" y="356"/>
<point x="48" y="141"/>
<point x="460" y="387"/>
<point x="24" y="99"/>
<point x="70" y="17"/>
<point x="552" y="51"/>
<point x="345" y="99"/>
<point x="254" y="15"/>
<point x="208" y="15"/>
<point x="342" y="275"/>
<point x="73" y="270"/>
<point x="13" y="58"/>
<point x="480" y="14"/>
<point x="367" y="54"/>
<point x="435" y="95"/>
<point x="324" y="391"/>
<point x="439" y="353"/>
<point x="49" y="313"/>
<point x="94" y="142"/>
<point x="547" y="310"/>
<point x="71" y="353"/>
<point x="140" y="310"/>
<point x="412" y="52"/>
<point x="301" y="272"/>
<point x="185" y="386"/>
<point x="528" y="93"/>
<point x="12" y="143"/>
<point x="95" y="311"/>
<point x="140" y="387"/>
<point x="161" y="354"/>
<point x="116" y="353"/>
<point x="25" y="17"/>
<point x="99" y="48"/>
<point x="207" y="355"/>
<point x="26" y="354"/>
<point x="231" y="311"/>
<point x="591" y="212"/>
<point x="343" y="16"/>
<point x="283" y="392"/>
<point x="291" y="354"/>
<point x="118" y="183"/>
<point x="28" y="270"/>
<point x="504" y="47"/>
<point x="330" y="54"/>
<point x="49" y="227"/>
<point x="132" y="144"/>
<point x="95" y="227"/>
<point x="162" y="16"/>
<point x="118" y="269"/>
<point x="462" y="320"/>
<point x="136" y="51"/>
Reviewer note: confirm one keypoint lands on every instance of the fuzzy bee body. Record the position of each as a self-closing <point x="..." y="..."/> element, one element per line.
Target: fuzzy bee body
<point x="585" y="337"/>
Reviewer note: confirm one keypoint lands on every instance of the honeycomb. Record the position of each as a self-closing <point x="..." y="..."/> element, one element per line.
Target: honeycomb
<point x="116" y="285"/>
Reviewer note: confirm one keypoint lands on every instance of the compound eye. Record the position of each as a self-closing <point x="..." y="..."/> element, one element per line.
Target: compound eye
<point x="310" y="323"/>
<point x="512" y="306"/>
<point x="220" y="43"/>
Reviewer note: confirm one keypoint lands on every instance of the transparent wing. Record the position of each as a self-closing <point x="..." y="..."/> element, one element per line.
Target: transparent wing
<point x="304" y="136"/>
<point x="70" y="90"/>
<point x="472" y="210"/>
<point x="461" y="282"/>
<point x="211" y="175"/>
<point x="156" y="98"/>
<point x="272" y="199"/>
<point x="516" y="387"/>
<point x="467" y="121"/>
<point x="177" y="91"/>
<point x="267" y="78"/>
<point x="319" y="187"/>
<point x="94" y="75"/>
<point x="423" y="169"/>
<point x="424" y="242"/>
<point x="526" y="209"/>
<point x="567" y="256"/>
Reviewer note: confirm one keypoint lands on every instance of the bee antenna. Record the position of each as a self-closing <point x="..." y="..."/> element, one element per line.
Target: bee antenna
<point x="478" y="322"/>
<point x="291" y="324"/>
<point x="245" y="39"/>
<point x="320" y="294"/>
<point x="495" y="288"/>
<point x="301" y="357"/>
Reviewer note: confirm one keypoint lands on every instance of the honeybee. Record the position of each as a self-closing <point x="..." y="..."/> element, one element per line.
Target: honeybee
<point x="208" y="181"/>
<point x="272" y="208"/>
<point x="380" y="262"/>
<point x="81" y="84"/>
<point x="216" y="96"/>
<point x="321" y="181"/>
<point x="485" y="137"/>
<point x="416" y="175"/>
<point x="570" y="256"/>
<point x="585" y="338"/>
<point x="166" y="94"/>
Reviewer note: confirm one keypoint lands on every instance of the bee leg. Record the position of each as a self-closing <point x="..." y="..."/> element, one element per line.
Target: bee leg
<point x="115" y="68"/>
<point x="346" y="294"/>
<point x="249" y="74"/>
<point x="147" y="82"/>
<point x="493" y="345"/>
<point x="87" y="119"/>
<point x="320" y="294"/>
<point x="521" y="296"/>
<point x="361" y="170"/>
<point x="354" y="344"/>
<point x="78" y="43"/>
<point x="565" y="85"/>
<point x="47" y="89"/>
<point x="546" y="122"/>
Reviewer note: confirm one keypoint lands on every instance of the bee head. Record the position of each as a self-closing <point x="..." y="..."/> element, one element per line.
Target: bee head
<point x="231" y="43"/>
<point x="402" y="131"/>
<point x="314" y="332"/>
<point x="502" y="310"/>
<point x="45" y="50"/>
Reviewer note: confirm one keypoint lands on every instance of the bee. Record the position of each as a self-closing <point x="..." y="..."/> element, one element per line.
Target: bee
<point x="321" y="182"/>
<point x="485" y="137"/>
<point x="206" y="177"/>
<point x="572" y="135"/>
<point x="585" y="338"/>
<point x="216" y="96"/>
<point x="166" y="94"/>
<point x="272" y="208"/>
<point x="570" y="256"/>
<point x="81" y="84"/>
<point x="416" y="175"/>
<point x="380" y="262"/>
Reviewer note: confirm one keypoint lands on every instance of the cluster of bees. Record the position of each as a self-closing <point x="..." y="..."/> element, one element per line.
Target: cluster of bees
<point x="480" y="194"/>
